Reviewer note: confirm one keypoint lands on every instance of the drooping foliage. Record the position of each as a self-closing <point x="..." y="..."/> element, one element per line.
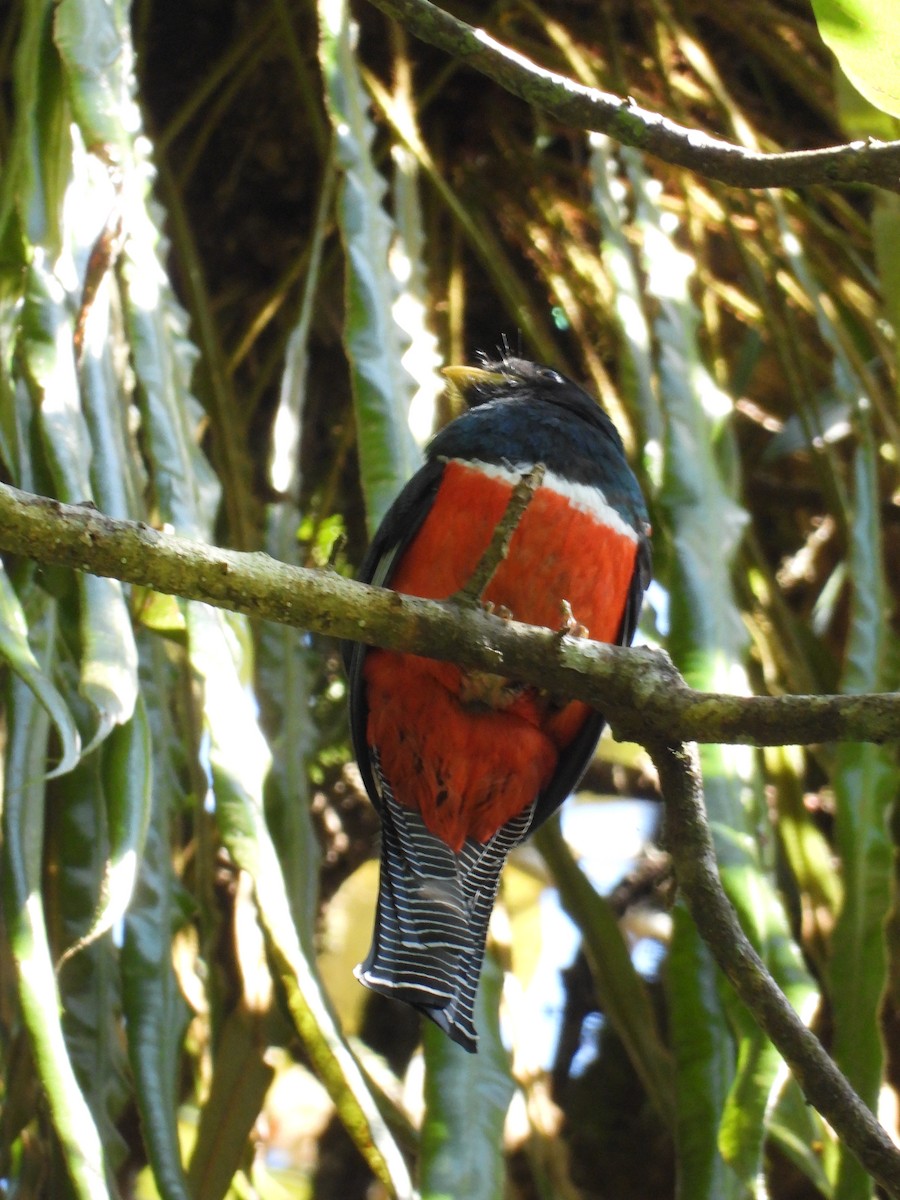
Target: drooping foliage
<point x="237" y="241"/>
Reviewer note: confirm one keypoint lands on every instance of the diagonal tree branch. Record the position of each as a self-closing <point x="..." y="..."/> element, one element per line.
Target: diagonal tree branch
<point x="868" y="161"/>
<point x="638" y="690"/>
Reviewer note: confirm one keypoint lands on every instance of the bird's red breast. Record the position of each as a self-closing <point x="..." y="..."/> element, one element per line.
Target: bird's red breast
<point x="469" y="750"/>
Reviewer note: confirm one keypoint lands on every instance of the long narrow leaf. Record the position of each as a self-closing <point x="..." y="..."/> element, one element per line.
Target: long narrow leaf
<point x="865" y="788"/>
<point x="108" y="653"/>
<point x="239" y="759"/>
<point x="466" y="1098"/>
<point x="15" y="648"/>
<point x="127" y="788"/>
<point x="382" y="388"/>
<point x="622" y="994"/>
<point x="156" y="1014"/>
<point x="285" y="661"/>
<point x="705" y="1062"/>
<point x="239" y="756"/>
<point x="77" y="852"/>
<point x="634" y="332"/>
<point x="32" y="183"/>
<point x="709" y="643"/>
<point x="98" y="59"/>
<point x="23" y="816"/>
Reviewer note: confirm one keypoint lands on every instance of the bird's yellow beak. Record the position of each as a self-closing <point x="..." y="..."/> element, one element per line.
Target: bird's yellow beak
<point x="466" y="378"/>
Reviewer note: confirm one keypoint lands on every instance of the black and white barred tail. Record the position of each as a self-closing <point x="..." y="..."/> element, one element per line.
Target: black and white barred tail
<point x="434" y="907"/>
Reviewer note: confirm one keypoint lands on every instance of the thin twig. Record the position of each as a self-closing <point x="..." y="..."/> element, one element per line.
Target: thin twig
<point x="498" y="547"/>
<point x="583" y="107"/>
<point x="690" y="844"/>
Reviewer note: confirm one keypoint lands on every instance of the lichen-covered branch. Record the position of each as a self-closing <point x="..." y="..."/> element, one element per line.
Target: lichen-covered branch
<point x="865" y="161"/>
<point x="689" y="842"/>
<point x="638" y="690"/>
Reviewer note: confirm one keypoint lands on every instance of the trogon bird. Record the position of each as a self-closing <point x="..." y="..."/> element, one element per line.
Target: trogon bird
<point x="461" y="764"/>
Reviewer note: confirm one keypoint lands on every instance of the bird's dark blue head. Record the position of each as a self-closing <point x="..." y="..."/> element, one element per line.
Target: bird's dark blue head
<point x="521" y="381"/>
<point x="521" y="412"/>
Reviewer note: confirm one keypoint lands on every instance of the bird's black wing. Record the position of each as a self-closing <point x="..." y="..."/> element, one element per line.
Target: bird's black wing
<point x="399" y="526"/>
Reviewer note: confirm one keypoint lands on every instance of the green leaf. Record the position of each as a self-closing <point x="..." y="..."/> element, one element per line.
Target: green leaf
<point x="865" y="783"/>
<point x="127" y="786"/>
<point x="621" y="992"/>
<point x="286" y="677"/>
<point x="705" y="1063"/>
<point x="91" y="36"/>
<point x="108" y="659"/>
<point x="77" y="855"/>
<point x="238" y="755"/>
<point x="238" y="1088"/>
<point x="799" y="1132"/>
<point x="466" y="1099"/>
<point x="155" y="1012"/>
<point x="239" y="759"/>
<point x="186" y="489"/>
<point x="865" y="38"/>
<point x="22" y="849"/>
<point x="633" y="328"/>
<point x="709" y="644"/>
<point x="15" y="648"/>
<point x="382" y="389"/>
<point x="33" y="181"/>
<point x="108" y="653"/>
<point x="286" y="661"/>
<point x="117" y="473"/>
<point x="707" y="641"/>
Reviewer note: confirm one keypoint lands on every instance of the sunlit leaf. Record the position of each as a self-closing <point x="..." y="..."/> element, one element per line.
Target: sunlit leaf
<point x="108" y="661"/>
<point x="239" y="759"/>
<point x="98" y="67"/>
<point x="22" y="846"/>
<point x="14" y="647"/>
<point x="865" y="38"/>
<point x="375" y="344"/>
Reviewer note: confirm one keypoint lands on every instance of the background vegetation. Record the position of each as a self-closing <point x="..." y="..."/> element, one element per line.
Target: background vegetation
<point x="236" y="241"/>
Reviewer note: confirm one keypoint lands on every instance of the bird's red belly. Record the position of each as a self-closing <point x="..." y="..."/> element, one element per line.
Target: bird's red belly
<point x="465" y="749"/>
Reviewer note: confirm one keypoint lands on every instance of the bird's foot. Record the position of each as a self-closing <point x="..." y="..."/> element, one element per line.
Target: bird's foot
<point x="497" y="610"/>
<point x="570" y="627"/>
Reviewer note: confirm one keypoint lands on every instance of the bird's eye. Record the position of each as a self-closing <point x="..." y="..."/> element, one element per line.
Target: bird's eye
<point x="551" y="376"/>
